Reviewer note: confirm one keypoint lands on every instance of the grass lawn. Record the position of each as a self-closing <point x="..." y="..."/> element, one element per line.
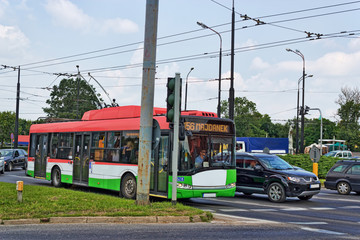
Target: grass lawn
<point x="45" y="202"/>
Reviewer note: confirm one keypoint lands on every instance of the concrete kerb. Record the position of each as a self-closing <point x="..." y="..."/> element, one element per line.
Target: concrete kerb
<point x="104" y="219"/>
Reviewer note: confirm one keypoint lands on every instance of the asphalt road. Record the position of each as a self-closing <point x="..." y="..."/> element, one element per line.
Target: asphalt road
<point x="327" y="215"/>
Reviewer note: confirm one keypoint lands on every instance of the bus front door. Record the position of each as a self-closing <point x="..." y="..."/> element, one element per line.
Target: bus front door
<point x="81" y="160"/>
<point x="41" y="156"/>
<point x="159" y="169"/>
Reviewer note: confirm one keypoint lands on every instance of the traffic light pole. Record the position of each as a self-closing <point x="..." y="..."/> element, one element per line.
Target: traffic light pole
<point x="175" y="152"/>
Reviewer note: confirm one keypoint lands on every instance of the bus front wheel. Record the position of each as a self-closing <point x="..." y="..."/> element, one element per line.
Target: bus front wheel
<point x="128" y="186"/>
<point x="56" y="177"/>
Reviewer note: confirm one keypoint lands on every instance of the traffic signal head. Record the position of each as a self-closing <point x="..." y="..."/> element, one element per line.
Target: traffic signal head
<point x="170" y="100"/>
<point x="306" y="110"/>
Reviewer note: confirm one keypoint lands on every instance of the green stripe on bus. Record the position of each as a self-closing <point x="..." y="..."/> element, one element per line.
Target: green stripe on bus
<point x="111" y="184"/>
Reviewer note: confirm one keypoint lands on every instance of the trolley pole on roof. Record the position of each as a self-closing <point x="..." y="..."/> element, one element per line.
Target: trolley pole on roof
<point x="147" y="102"/>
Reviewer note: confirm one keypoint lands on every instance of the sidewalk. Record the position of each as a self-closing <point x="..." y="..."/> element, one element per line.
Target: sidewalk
<point x="119" y="220"/>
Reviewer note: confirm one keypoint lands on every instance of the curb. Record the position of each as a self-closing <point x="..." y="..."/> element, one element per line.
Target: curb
<point x="118" y="220"/>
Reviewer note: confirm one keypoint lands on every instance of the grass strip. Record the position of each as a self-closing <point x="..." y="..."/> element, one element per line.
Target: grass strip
<point x="45" y="202"/>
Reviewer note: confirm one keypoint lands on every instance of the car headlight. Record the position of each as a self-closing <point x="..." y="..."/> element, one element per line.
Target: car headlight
<point x="231" y="185"/>
<point x="294" y="179"/>
<point x="184" y="186"/>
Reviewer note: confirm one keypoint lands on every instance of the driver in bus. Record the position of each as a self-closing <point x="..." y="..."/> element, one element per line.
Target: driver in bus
<point x="200" y="159"/>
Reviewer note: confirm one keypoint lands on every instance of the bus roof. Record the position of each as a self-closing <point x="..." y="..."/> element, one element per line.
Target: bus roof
<point x="111" y="119"/>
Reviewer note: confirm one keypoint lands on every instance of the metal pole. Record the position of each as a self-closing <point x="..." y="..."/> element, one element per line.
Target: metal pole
<point x="219" y="94"/>
<point x="220" y="60"/>
<point x="303" y="106"/>
<point x="186" y="87"/>
<point x="297" y="121"/>
<point x="175" y="152"/>
<point x="147" y="102"/>
<point x="321" y="128"/>
<point x="17" y="111"/>
<point x="231" y="90"/>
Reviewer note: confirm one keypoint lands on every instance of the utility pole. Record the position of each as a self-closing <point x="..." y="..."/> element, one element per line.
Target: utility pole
<point x="231" y="91"/>
<point x="16" y="137"/>
<point x="147" y="102"/>
<point x="16" y="132"/>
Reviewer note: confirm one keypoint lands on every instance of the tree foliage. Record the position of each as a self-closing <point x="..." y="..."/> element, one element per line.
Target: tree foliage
<point x="7" y="126"/>
<point x="71" y="99"/>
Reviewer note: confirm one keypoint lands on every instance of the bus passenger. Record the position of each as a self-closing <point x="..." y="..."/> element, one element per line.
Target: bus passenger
<point x="127" y="151"/>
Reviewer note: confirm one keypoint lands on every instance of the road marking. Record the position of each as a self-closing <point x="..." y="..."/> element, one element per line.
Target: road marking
<point x="233" y="210"/>
<point x="294" y="209"/>
<point x="337" y="199"/>
<point x="322" y="231"/>
<point x="248" y="220"/>
<point x="208" y="210"/>
<point x="309" y="223"/>
<point x="264" y="210"/>
<point x="349" y="207"/>
<point x="322" y="208"/>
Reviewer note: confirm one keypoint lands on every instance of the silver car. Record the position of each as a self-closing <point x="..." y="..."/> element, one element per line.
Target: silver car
<point x="2" y="166"/>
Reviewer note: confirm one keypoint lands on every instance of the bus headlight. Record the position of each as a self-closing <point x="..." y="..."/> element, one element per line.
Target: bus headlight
<point x="184" y="186"/>
<point x="231" y="185"/>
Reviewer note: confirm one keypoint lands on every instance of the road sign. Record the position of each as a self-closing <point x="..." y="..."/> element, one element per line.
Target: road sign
<point x="12" y="136"/>
<point x="315" y="154"/>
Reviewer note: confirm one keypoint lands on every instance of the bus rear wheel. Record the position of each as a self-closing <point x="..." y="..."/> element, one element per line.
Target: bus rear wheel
<point x="128" y="186"/>
<point x="56" y="177"/>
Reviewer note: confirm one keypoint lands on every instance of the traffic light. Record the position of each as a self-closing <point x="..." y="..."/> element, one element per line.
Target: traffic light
<point x="170" y="100"/>
<point x="306" y="110"/>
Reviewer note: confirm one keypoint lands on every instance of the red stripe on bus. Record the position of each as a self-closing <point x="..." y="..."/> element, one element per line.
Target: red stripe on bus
<point x="31" y="159"/>
<point x="108" y="163"/>
<point x="59" y="161"/>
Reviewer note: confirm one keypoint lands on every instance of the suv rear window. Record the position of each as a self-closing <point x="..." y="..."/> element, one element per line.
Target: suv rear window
<point x="354" y="170"/>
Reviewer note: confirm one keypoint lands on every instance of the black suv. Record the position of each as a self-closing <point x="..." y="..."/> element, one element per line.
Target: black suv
<point x="271" y="175"/>
<point x="344" y="177"/>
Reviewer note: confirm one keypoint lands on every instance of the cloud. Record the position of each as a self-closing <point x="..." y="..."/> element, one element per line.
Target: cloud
<point x="12" y="40"/>
<point x="67" y="14"/>
<point x="259" y="64"/>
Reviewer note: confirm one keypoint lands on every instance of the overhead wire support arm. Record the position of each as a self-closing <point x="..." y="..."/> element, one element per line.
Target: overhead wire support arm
<point x="112" y="102"/>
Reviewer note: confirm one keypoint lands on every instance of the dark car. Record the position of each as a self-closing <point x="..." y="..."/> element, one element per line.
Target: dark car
<point x="269" y="174"/>
<point x="13" y="158"/>
<point x="344" y="177"/>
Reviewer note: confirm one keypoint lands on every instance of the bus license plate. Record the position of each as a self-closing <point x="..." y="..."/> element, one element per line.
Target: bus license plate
<point x="314" y="186"/>
<point x="206" y="195"/>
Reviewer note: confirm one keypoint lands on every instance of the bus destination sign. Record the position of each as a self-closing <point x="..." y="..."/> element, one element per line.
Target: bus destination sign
<point x="206" y="127"/>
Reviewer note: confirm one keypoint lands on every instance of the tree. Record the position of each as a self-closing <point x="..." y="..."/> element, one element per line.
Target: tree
<point x="349" y="113"/>
<point x="7" y="126"/>
<point x="249" y="122"/>
<point x="71" y="99"/>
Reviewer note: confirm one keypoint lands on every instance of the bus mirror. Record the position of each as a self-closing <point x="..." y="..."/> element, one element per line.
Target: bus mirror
<point x="155" y="134"/>
<point x="181" y="132"/>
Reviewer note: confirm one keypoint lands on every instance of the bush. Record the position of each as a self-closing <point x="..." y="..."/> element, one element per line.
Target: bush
<point x="303" y="161"/>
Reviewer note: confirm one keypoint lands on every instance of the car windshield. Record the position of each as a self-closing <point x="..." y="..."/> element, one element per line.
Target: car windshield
<point x="5" y="153"/>
<point x="274" y="162"/>
<point x="331" y="154"/>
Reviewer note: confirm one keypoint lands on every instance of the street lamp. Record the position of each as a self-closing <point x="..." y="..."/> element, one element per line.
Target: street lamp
<point x="297" y="52"/>
<point x="321" y="128"/>
<point x="186" y="87"/>
<point x="297" y="114"/>
<point x="220" y="57"/>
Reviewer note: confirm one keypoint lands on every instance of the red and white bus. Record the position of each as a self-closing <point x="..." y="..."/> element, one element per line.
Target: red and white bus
<point x="101" y="150"/>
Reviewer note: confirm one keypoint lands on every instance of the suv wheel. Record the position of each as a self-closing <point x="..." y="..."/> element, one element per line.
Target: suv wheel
<point x="10" y="167"/>
<point x="343" y="188"/>
<point x="276" y="192"/>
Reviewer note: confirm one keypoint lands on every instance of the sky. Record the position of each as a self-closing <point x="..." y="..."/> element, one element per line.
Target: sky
<point x="48" y="38"/>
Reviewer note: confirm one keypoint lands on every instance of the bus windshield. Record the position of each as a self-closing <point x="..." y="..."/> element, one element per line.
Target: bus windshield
<point x="206" y="151"/>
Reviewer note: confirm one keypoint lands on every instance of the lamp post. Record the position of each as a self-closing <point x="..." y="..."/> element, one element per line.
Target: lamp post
<point x="321" y="128"/>
<point x="297" y="114"/>
<point x="220" y="57"/>
<point x="186" y="87"/>
<point x="297" y="52"/>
